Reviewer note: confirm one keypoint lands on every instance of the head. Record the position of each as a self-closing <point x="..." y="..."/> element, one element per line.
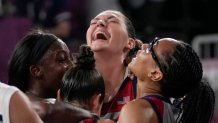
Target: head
<point x="83" y="84"/>
<point x="177" y="69"/>
<point x="39" y="60"/>
<point x="111" y="31"/>
<point x="173" y="63"/>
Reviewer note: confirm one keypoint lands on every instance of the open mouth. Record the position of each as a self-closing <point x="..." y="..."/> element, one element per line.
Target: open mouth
<point x="100" y="35"/>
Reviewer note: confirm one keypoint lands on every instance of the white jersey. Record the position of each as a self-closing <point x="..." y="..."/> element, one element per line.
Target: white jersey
<point x="6" y="92"/>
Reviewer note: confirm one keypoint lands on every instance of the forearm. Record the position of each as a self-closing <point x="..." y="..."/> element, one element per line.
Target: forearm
<point x="60" y="112"/>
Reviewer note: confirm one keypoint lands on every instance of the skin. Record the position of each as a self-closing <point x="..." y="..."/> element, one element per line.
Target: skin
<point x="26" y="114"/>
<point x="93" y="105"/>
<point x="149" y="76"/>
<point x="44" y="81"/>
<point x="138" y="111"/>
<point x="110" y="52"/>
<point x="46" y="75"/>
<point x="112" y="24"/>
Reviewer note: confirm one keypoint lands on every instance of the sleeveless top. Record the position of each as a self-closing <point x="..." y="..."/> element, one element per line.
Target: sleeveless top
<point x="111" y="110"/>
<point x="5" y="95"/>
<point x="126" y="93"/>
<point x="162" y="107"/>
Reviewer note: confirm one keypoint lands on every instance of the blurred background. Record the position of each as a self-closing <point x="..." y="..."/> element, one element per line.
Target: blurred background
<point x="193" y="21"/>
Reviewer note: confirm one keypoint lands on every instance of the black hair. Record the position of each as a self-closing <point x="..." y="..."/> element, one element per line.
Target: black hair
<point x="130" y="27"/>
<point x="132" y="53"/>
<point x="83" y="81"/>
<point x="183" y="73"/>
<point x="28" y="52"/>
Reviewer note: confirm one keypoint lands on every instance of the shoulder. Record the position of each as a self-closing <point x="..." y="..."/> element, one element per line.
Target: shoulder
<point x="138" y="111"/>
<point x="19" y="99"/>
<point x="105" y="121"/>
<point x="138" y="105"/>
<point x="4" y="88"/>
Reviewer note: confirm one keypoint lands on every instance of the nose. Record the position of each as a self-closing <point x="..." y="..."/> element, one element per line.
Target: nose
<point x="101" y="22"/>
<point x="138" y="52"/>
<point x="144" y="46"/>
<point x="69" y="65"/>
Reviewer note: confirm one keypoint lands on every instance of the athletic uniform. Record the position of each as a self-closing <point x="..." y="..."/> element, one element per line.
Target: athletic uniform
<point x="162" y="107"/>
<point x="111" y="109"/>
<point x="5" y="95"/>
<point x="126" y="93"/>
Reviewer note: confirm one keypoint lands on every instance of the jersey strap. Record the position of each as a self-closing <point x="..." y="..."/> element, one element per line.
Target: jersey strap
<point x="157" y="104"/>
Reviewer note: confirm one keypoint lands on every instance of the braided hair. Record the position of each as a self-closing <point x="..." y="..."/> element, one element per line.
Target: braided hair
<point x="83" y="81"/>
<point x="183" y="73"/>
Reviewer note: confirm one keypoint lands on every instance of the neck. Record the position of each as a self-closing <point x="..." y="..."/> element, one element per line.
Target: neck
<point x="79" y="104"/>
<point x="37" y="91"/>
<point x="147" y="88"/>
<point x="113" y="72"/>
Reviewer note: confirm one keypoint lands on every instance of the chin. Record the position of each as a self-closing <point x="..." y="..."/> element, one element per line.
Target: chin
<point x="130" y="65"/>
<point x="95" y="48"/>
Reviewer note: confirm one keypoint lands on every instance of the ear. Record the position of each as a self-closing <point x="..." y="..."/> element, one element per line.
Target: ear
<point x="95" y="103"/>
<point x="131" y="43"/>
<point x="155" y="75"/>
<point x="35" y="71"/>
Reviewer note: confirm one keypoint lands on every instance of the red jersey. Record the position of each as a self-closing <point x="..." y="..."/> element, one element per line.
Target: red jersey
<point x="162" y="107"/>
<point x="126" y="93"/>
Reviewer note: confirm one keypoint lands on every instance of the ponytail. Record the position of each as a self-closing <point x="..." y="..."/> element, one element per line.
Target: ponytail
<point x="198" y="105"/>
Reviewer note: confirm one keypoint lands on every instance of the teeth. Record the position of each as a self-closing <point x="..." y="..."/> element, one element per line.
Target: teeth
<point x="97" y="33"/>
<point x="100" y="33"/>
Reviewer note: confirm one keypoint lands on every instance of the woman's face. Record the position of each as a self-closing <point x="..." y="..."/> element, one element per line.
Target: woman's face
<point x="144" y="63"/>
<point x="54" y="63"/>
<point x="107" y="31"/>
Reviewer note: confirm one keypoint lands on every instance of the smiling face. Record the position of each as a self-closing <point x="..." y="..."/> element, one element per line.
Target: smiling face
<point x="144" y="63"/>
<point x="180" y="65"/>
<point x="107" y="31"/>
<point x="54" y="63"/>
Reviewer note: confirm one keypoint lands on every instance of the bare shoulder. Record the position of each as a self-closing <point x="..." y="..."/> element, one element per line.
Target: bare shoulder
<point x="138" y="111"/>
<point x="26" y="114"/>
<point x="105" y="121"/>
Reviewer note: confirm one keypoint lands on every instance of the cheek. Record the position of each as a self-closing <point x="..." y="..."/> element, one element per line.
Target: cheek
<point x="133" y="66"/>
<point x="138" y="67"/>
<point x="54" y="75"/>
<point x="120" y="35"/>
<point x="88" y="35"/>
<point x="58" y="72"/>
<point x="119" y="32"/>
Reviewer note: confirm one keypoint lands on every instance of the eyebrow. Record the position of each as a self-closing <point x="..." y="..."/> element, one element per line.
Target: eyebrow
<point x="110" y="17"/>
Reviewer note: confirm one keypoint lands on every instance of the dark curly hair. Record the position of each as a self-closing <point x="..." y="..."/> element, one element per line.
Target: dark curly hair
<point x="83" y="81"/>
